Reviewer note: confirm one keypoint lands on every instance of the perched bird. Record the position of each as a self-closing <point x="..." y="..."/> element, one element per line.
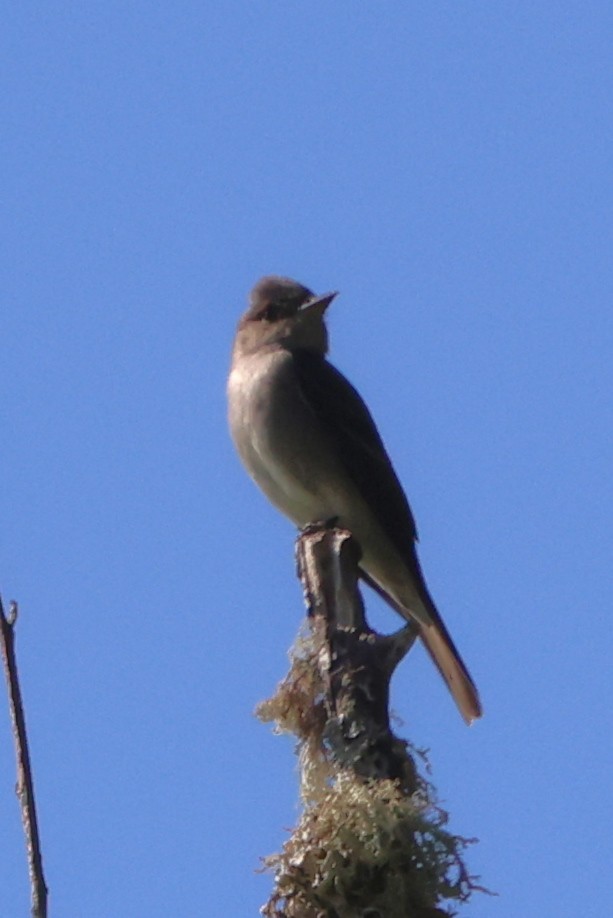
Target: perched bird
<point x="310" y="443"/>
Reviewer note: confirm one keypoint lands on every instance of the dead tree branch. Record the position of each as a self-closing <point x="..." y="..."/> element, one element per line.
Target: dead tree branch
<point x="25" y="784"/>
<point x="371" y="842"/>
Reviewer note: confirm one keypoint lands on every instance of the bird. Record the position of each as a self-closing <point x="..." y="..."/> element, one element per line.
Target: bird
<point x="307" y="438"/>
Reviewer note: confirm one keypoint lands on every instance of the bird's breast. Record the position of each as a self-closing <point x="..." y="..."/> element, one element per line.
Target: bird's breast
<point x="275" y="433"/>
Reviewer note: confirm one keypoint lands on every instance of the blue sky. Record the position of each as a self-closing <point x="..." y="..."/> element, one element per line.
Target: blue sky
<point x="447" y="168"/>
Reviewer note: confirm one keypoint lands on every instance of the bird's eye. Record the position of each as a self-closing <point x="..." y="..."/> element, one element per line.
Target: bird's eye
<point x="271" y="313"/>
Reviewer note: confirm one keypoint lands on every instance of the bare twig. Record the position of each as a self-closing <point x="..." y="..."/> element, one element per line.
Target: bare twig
<point x="25" y="785"/>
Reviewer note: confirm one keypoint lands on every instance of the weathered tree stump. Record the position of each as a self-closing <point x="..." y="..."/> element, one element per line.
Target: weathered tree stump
<point x="371" y="841"/>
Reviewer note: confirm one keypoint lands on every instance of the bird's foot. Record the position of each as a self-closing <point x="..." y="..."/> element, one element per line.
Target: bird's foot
<point x="315" y="525"/>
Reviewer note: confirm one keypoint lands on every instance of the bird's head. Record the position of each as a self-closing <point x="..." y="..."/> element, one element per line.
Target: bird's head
<point x="283" y="312"/>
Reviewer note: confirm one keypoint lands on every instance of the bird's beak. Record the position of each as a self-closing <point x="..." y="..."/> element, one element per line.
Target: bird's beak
<point x="318" y="304"/>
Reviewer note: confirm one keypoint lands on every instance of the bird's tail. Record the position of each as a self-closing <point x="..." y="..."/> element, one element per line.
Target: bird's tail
<point x="451" y="667"/>
<point x="439" y="644"/>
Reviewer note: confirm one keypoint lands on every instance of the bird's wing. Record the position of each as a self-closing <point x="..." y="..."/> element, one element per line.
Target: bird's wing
<point x="356" y="440"/>
<point x="350" y="427"/>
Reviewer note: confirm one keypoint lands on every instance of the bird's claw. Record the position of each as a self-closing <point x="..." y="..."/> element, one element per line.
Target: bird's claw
<point x="315" y="525"/>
